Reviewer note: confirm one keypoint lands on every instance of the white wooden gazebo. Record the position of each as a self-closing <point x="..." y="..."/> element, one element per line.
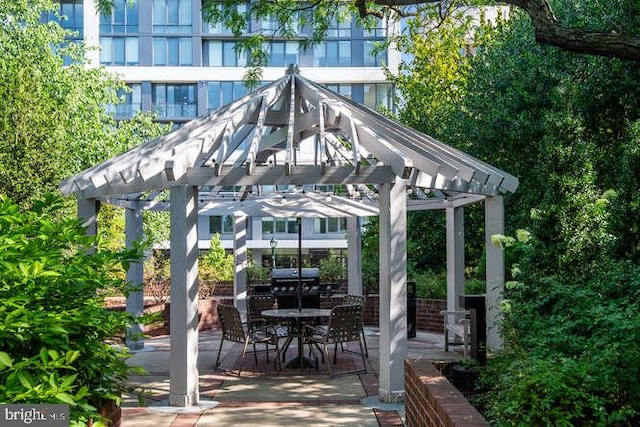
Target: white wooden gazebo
<point x="294" y="132"/>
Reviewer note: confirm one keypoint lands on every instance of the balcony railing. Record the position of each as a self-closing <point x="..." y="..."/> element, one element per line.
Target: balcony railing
<point x="176" y="110"/>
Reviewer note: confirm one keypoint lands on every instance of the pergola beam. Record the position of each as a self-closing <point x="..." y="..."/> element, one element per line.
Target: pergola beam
<point x="289" y="158"/>
<point x="440" y="203"/>
<point x="296" y="175"/>
<point x="252" y="150"/>
<point x="263" y="175"/>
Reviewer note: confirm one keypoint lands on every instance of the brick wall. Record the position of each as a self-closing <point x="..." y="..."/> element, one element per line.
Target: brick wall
<point x="208" y="313"/>
<point x="431" y="401"/>
<point x="223" y="289"/>
<point x="428" y="316"/>
<point x="427" y="311"/>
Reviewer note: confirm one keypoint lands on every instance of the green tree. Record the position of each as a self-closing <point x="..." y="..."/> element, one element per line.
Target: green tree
<point x="610" y="37"/>
<point x="49" y="114"/>
<point x="430" y="86"/>
<point x="601" y="28"/>
<point x="431" y="82"/>
<point x="124" y="135"/>
<point x="53" y="120"/>
<point x="566" y="126"/>
<point x="561" y="123"/>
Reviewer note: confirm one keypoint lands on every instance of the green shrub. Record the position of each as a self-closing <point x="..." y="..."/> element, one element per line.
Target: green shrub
<point x="571" y="346"/>
<point x="332" y="270"/>
<point x="433" y="285"/>
<point x="157" y="276"/>
<point x="475" y="287"/>
<point x="558" y="391"/>
<point x="214" y="267"/>
<point x="258" y="274"/>
<point x="370" y="275"/>
<point x="55" y="332"/>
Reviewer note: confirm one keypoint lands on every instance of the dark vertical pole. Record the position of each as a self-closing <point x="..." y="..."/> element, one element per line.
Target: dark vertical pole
<point x="299" y="225"/>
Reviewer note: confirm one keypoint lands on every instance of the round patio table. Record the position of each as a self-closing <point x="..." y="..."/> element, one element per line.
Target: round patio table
<point x="299" y="315"/>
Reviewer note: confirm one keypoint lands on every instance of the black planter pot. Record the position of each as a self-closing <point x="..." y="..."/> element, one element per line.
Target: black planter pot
<point x="463" y="378"/>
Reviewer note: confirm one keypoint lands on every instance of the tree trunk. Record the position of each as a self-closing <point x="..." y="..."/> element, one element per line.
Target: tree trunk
<point x="548" y="30"/>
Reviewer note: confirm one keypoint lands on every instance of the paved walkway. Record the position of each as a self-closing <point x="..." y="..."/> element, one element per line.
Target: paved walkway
<point x="263" y="397"/>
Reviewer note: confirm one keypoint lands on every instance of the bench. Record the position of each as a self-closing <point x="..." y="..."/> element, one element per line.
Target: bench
<point x="457" y="327"/>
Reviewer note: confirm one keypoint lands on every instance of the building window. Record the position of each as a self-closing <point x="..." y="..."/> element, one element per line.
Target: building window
<point x="172" y="51"/>
<point x="69" y="16"/>
<point x="342" y="88"/>
<point x="175" y="101"/>
<point x="379" y="32"/>
<point x="221" y="224"/>
<point x="378" y="95"/>
<point x="217" y="53"/>
<point x="340" y="30"/>
<point x="272" y="226"/>
<point x="131" y="102"/>
<point x="172" y="16"/>
<point x="222" y="93"/>
<point x="329" y="225"/>
<point x="119" y="50"/>
<point x="271" y="26"/>
<point x="122" y="20"/>
<point x="281" y="53"/>
<point x="268" y="23"/>
<point x="371" y="57"/>
<point x="219" y="28"/>
<point x="335" y="53"/>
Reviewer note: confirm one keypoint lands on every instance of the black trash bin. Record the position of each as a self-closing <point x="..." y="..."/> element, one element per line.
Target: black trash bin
<point x="476" y="305"/>
<point x="411" y="309"/>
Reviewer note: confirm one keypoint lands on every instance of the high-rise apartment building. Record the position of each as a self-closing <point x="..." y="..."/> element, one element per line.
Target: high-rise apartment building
<point x="180" y="67"/>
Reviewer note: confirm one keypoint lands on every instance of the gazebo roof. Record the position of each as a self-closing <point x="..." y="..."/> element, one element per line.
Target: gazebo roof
<point x="292" y="132"/>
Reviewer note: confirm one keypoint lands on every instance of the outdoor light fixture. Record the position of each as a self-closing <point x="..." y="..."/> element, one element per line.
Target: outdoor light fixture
<point x="273" y="243"/>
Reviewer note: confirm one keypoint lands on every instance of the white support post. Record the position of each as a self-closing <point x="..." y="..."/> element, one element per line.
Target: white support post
<point x="393" y="291"/>
<point x="183" y="369"/>
<point x="354" y="260"/>
<point x="240" y="261"/>
<point x="135" y="277"/>
<point x="494" y="224"/>
<point x="88" y="211"/>
<point x="455" y="256"/>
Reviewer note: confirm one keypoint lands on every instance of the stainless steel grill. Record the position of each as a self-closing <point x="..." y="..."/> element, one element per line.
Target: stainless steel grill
<point x="284" y="285"/>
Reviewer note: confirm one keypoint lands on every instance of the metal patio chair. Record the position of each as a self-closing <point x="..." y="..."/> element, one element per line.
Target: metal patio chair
<point x="345" y="325"/>
<point x="256" y="304"/>
<point x="357" y="300"/>
<point x="234" y="330"/>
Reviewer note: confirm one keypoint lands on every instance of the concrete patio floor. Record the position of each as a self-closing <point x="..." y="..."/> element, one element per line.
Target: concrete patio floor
<point x="263" y="397"/>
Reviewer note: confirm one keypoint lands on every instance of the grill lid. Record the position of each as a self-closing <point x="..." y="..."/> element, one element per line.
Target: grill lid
<point x="292" y="273"/>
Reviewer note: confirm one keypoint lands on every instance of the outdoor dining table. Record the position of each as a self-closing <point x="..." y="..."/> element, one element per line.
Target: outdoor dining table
<point x="299" y="316"/>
